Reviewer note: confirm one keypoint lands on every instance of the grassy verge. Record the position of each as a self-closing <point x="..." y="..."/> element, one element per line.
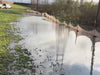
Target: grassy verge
<point x="16" y="9"/>
<point x="7" y="16"/>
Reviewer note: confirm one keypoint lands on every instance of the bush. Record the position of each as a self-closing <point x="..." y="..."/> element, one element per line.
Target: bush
<point x="72" y="12"/>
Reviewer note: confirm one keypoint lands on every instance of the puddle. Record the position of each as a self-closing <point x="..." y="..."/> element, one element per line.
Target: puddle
<point x="41" y="39"/>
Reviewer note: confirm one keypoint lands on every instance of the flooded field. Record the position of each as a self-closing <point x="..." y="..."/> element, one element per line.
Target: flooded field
<point x="45" y="39"/>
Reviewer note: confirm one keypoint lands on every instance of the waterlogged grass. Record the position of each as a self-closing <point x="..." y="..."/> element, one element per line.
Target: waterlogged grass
<point x="7" y="16"/>
<point x="23" y="60"/>
<point x="17" y="38"/>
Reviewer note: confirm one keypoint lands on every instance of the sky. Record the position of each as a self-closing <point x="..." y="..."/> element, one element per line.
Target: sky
<point x="94" y="0"/>
<point x="28" y="1"/>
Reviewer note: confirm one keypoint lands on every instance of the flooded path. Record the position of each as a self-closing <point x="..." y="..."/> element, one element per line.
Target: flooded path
<point x="41" y="39"/>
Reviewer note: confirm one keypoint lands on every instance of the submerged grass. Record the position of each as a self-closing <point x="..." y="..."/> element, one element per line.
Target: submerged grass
<point x="7" y="16"/>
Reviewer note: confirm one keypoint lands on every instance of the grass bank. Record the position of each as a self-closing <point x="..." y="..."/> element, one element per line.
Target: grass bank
<point x="7" y="16"/>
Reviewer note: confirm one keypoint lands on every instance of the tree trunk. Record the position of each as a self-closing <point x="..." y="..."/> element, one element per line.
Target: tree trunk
<point x="37" y="4"/>
<point x="91" y="1"/>
<point x="81" y="2"/>
<point x="1" y="1"/>
<point x="98" y="14"/>
<point x="46" y="1"/>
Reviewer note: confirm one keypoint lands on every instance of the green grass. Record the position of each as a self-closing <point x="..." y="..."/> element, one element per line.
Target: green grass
<point x="7" y="16"/>
<point x="16" y="9"/>
<point x="5" y="19"/>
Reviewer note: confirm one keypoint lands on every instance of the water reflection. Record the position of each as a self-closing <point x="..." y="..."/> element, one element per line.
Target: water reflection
<point x="43" y="39"/>
<point x="78" y="69"/>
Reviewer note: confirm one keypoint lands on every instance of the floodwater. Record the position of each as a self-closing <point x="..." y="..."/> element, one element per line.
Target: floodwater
<point x="45" y="39"/>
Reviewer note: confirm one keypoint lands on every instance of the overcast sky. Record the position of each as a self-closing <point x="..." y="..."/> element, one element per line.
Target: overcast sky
<point x="28" y="1"/>
<point x="94" y="0"/>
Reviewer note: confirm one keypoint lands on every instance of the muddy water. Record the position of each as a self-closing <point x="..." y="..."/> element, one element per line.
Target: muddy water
<point x="41" y="38"/>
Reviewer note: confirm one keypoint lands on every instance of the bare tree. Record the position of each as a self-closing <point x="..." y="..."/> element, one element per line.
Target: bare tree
<point x="98" y="13"/>
<point x="46" y="1"/>
<point x="77" y="0"/>
<point x="32" y="2"/>
<point x="37" y="4"/>
<point x="91" y="0"/>
<point x="1" y="1"/>
<point x="81" y="2"/>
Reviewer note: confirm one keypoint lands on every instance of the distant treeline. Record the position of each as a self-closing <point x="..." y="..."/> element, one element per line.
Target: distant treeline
<point x="71" y="11"/>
